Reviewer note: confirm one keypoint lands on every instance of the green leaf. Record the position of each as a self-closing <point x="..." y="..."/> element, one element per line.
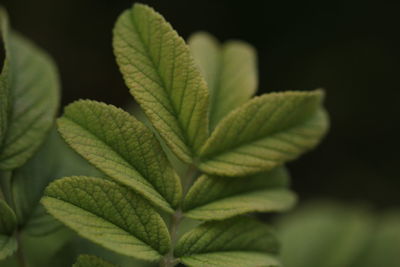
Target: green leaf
<point x="217" y="198"/>
<point x="8" y="245"/>
<point x="162" y="76"/>
<point x="264" y="133"/>
<point x="384" y="243"/>
<point x="325" y="235"/>
<point x="123" y="148"/>
<point x="231" y="259"/>
<point x="214" y="242"/>
<point x="8" y="220"/>
<point x="91" y="261"/>
<point x="35" y="96"/>
<point x="5" y="76"/>
<point x="8" y="223"/>
<point x="110" y="215"/>
<point x="229" y="69"/>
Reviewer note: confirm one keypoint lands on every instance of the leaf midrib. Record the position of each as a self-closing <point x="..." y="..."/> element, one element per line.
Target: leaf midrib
<point x="259" y="139"/>
<point x="163" y="86"/>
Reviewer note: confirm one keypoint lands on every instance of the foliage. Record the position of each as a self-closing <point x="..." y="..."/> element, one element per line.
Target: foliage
<point x="331" y="234"/>
<point x="201" y="116"/>
<point x="232" y="150"/>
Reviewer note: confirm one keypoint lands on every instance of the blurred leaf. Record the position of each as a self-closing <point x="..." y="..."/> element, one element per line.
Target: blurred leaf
<point x="241" y="240"/>
<point x="5" y="76"/>
<point x="384" y="246"/>
<point x="91" y="261"/>
<point x="230" y="71"/>
<point x="325" y="235"/>
<point x="264" y="133"/>
<point x="8" y="245"/>
<point x="35" y="96"/>
<point x="161" y="74"/>
<point x="29" y="181"/>
<point x="123" y="148"/>
<point x="217" y="198"/>
<point x="110" y="215"/>
<point x="8" y="220"/>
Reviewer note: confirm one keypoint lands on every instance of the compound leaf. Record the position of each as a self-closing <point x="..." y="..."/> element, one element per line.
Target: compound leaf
<point x="91" y="261"/>
<point x="217" y="198"/>
<point x="110" y="215"/>
<point x="230" y="71"/>
<point x="123" y="148"/>
<point x="35" y="95"/>
<point x="264" y="133"/>
<point x="8" y="220"/>
<point x="162" y="76"/>
<point x="213" y="242"/>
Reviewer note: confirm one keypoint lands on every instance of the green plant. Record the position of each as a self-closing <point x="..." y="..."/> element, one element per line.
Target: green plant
<point x="231" y="145"/>
<point x="180" y="185"/>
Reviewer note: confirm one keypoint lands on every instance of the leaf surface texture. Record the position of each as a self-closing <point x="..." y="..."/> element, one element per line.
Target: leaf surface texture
<point x="216" y="198"/>
<point x="264" y="133"/>
<point x="161" y="74"/>
<point x="110" y="215"/>
<point x="211" y="243"/>
<point x="123" y="148"/>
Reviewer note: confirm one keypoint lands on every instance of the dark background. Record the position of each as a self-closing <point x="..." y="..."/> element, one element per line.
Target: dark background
<point x="350" y="48"/>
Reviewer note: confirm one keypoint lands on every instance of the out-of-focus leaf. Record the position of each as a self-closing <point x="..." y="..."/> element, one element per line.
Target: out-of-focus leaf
<point x="91" y="261"/>
<point x="230" y="70"/>
<point x="30" y="180"/>
<point x="325" y="235"/>
<point x="34" y="91"/>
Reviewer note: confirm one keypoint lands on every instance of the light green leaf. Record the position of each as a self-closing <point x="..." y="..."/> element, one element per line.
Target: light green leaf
<point x="231" y="259"/>
<point x="217" y="198"/>
<point x="264" y="133"/>
<point x="8" y="220"/>
<point x="123" y="148"/>
<point x="91" y="261"/>
<point x="8" y="245"/>
<point x="5" y="76"/>
<point x="110" y="215"/>
<point x="211" y="243"/>
<point x="35" y="96"/>
<point x="229" y="69"/>
<point x="162" y="76"/>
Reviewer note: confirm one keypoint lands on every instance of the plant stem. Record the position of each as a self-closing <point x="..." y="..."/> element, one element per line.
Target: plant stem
<point x="20" y="253"/>
<point x="169" y="260"/>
